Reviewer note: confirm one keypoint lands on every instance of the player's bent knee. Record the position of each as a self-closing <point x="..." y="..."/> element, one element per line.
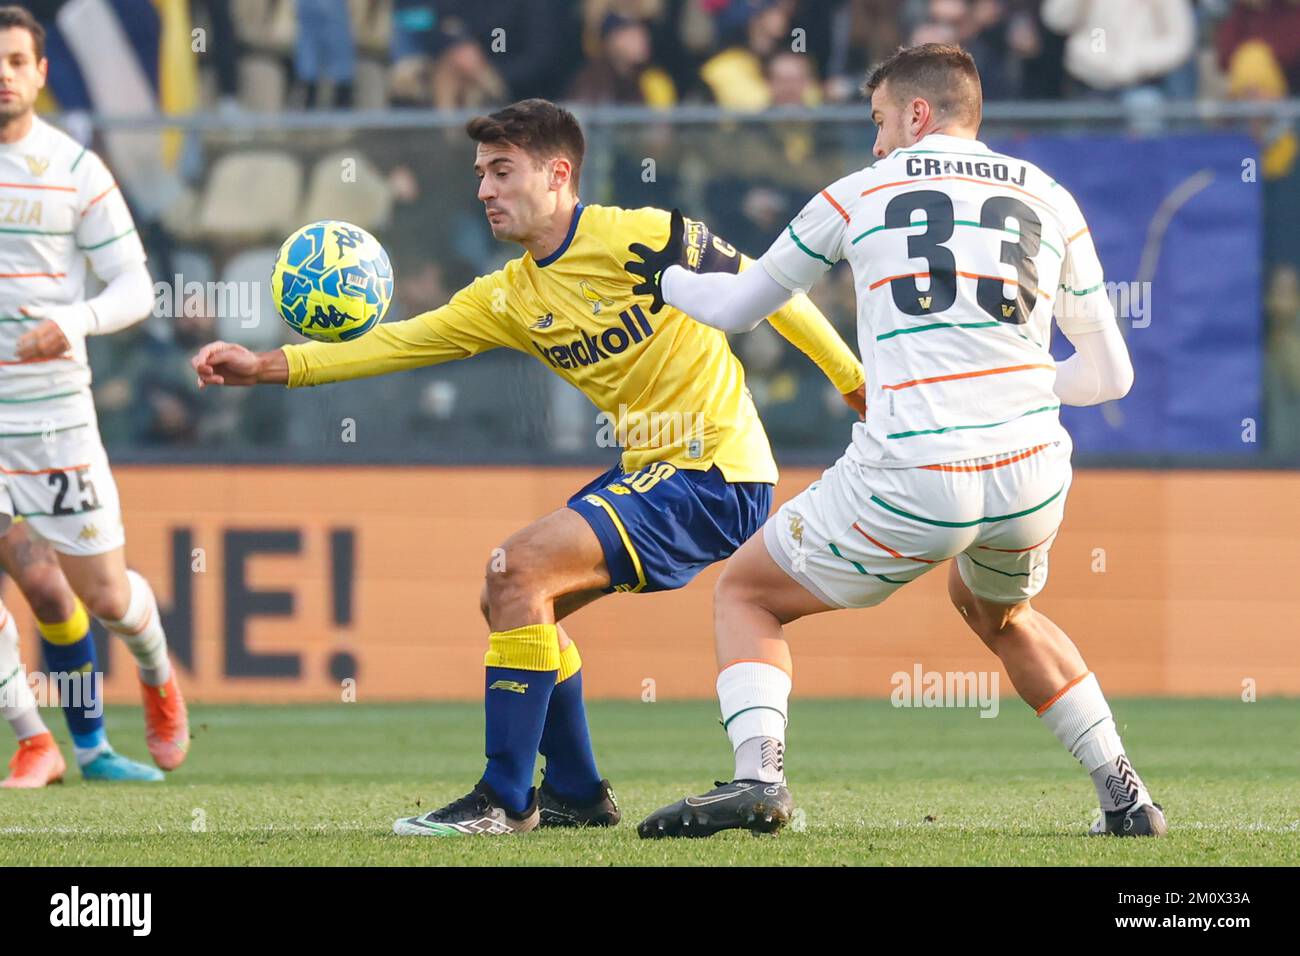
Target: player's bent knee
<point x="734" y="587"/>
<point x="517" y="578"/>
<point x="741" y="590"/>
<point x="994" y="621"/>
<point x="107" y="603"/>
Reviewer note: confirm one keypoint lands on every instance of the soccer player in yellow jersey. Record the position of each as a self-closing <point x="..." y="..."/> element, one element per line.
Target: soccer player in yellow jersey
<point x="696" y="475"/>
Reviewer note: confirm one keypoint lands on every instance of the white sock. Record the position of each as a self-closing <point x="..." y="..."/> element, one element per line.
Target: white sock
<point x="142" y="632"/>
<point x="1081" y="720"/>
<point x="754" y="698"/>
<point x="17" y="705"/>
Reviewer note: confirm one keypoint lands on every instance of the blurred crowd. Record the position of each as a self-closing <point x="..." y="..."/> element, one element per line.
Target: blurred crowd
<point x="744" y="54"/>
<point x="215" y="207"/>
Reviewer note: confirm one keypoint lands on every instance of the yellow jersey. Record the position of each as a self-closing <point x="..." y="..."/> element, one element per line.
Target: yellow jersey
<point x="667" y="387"/>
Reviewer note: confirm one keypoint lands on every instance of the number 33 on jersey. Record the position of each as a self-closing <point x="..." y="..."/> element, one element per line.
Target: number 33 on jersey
<point x="959" y="257"/>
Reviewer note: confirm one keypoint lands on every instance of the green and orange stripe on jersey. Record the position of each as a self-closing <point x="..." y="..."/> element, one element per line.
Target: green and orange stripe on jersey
<point x="1014" y="233"/>
<point x="801" y="245"/>
<point x="837" y="207"/>
<point x="980" y="373"/>
<point x="944" y="429"/>
<point x="57" y="189"/>
<point x="90" y="205"/>
<point x="965" y="179"/>
<point x="1041" y="293"/>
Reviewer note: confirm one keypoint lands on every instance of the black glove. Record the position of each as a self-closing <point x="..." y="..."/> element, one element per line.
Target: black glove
<point x="651" y="263"/>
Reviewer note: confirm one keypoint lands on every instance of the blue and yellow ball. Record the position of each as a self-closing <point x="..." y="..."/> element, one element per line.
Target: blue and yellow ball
<point x="332" y="281"/>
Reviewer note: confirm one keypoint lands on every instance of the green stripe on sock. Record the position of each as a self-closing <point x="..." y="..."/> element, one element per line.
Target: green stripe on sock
<point x="726" y="723"/>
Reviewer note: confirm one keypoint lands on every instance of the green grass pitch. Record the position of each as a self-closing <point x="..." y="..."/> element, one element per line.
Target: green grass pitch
<point x="321" y="784"/>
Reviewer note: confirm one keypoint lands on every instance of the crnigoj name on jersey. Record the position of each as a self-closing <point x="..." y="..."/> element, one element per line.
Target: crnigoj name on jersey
<point x="590" y="349"/>
<point x="1001" y="172"/>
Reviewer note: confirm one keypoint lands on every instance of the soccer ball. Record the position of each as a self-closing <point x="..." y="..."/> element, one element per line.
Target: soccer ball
<point x="332" y="281"/>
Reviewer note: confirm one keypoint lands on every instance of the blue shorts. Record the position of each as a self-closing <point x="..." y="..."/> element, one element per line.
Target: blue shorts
<point x="661" y="526"/>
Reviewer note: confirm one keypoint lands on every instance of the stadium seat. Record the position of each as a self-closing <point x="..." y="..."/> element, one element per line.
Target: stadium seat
<point x="181" y="218"/>
<point x="366" y="201"/>
<point x="261" y="328"/>
<point x="370" y="86"/>
<point x="268" y="25"/>
<point x="250" y="195"/>
<point x="192" y="266"/>
<point x="372" y="27"/>
<point x="263" y="83"/>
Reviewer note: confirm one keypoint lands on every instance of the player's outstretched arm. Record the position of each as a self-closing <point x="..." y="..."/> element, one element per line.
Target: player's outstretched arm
<point x="1099" y="370"/>
<point x="732" y="303"/>
<point x="225" y="363"/>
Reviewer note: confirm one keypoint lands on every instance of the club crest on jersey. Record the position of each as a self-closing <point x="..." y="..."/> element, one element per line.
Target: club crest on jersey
<point x="590" y="349"/>
<point x="544" y="322"/>
<point x="37" y="164"/>
<point x="593" y="298"/>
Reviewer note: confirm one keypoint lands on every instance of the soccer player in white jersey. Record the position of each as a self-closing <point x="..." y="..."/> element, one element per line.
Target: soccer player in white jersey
<point x="61" y="207"/>
<point x="959" y="256"/>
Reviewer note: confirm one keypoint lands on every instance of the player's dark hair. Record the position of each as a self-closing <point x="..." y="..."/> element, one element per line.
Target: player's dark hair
<point x="538" y="127"/>
<point x="942" y="74"/>
<point x="21" y="17"/>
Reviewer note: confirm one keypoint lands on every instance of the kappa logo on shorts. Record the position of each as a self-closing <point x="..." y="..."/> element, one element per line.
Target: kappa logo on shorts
<point x="796" y="528"/>
<point x="88" y="533"/>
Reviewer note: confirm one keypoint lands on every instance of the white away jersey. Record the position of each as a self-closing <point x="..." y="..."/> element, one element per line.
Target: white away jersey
<point x="960" y="256"/>
<point x="59" y="206"/>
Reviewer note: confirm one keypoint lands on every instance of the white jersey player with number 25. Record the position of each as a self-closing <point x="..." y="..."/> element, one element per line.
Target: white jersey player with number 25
<point x="62" y="209"/>
<point x="960" y="256"/>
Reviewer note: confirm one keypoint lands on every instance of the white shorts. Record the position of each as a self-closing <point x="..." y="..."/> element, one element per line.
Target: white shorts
<point x="58" y="481"/>
<point x="860" y="533"/>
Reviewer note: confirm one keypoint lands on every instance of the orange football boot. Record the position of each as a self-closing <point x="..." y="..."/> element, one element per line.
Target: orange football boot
<point x="36" y="763"/>
<point x="166" y="723"/>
